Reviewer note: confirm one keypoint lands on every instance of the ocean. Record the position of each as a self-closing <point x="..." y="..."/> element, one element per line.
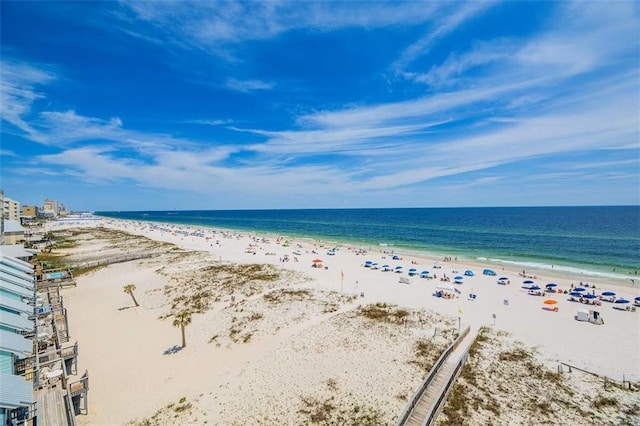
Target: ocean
<point x="596" y="240"/>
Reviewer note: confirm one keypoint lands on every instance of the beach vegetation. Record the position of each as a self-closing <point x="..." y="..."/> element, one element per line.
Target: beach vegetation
<point x="601" y="401"/>
<point x="384" y="313"/>
<point x="129" y="288"/>
<point x="426" y="352"/>
<point x="328" y="411"/>
<point x="287" y="295"/>
<point x="182" y="320"/>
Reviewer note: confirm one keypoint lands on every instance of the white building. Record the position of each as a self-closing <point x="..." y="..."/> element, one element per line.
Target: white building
<point x="10" y="209"/>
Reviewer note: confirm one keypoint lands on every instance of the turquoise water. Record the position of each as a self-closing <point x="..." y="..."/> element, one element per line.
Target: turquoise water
<point x="603" y="240"/>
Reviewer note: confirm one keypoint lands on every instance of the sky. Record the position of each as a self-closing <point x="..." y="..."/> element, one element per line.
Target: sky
<point x="297" y="104"/>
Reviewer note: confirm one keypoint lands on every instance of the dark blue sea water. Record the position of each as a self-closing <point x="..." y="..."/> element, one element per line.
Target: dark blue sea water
<point x="603" y="240"/>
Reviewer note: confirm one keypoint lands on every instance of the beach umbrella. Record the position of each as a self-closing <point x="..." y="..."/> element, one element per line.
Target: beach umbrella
<point x="424" y="273"/>
<point x="317" y="261"/>
<point x="368" y="262"/>
<point x="534" y="287"/>
<point x="550" y="302"/>
<point x="608" y="293"/>
<point x="637" y="299"/>
<point x="622" y="301"/>
<point x="551" y="285"/>
<point x="527" y="282"/>
<point x="589" y="296"/>
<point x="579" y="289"/>
<point x="575" y="294"/>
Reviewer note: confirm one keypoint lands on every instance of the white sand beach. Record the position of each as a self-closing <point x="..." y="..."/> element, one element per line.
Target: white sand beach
<point x="272" y="351"/>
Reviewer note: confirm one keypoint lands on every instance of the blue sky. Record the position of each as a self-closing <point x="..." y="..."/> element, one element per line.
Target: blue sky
<point x="234" y="105"/>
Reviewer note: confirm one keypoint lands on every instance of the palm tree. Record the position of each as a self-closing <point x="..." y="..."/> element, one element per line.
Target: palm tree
<point x="182" y="320"/>
<point x="129" y="289"/>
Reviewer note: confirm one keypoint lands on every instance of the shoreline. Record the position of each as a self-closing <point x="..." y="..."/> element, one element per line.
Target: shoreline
<point x="576" y="271"/>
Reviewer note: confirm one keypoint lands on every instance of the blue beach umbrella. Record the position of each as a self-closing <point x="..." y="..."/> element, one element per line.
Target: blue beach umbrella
<point x="608" y="293"/>
<point x="534" y="287"/>
<point x="575" y="294"/>
<point x="413" y="271"/>
<point x="551" y="285"/>
<point x="424" y="274"/>
<point x="589" y="296"/>
<point x="622" y="301"/>
<point x="527" y="282"/>
<point x="579" y="289"/>
<point x="637" y="299"/>
<point x="468" y="273"/>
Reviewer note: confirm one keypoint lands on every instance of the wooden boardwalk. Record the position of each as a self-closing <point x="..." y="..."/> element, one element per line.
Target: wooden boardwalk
<point x="51" y="406"/>
<point x="432" y="397"/>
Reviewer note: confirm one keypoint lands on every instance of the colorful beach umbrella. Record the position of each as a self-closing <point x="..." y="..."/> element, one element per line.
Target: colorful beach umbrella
<point x="550" y="302"/>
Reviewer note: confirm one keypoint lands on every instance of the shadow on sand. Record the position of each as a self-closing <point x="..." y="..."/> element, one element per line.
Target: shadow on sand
<point x="172" y="350"/>
<point x="125" y="307"/>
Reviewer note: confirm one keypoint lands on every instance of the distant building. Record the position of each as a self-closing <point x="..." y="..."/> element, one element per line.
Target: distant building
<point x="10" y="209"/>
<point x="50" y="208"/>
<point x="30" y="211"/>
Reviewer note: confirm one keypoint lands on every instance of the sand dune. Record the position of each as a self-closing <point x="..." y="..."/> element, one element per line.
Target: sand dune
<point x="294" y="345"/>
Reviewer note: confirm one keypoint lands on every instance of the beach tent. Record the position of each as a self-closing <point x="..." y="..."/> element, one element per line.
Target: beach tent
<point x="468" y="273"/>
<point x="503" y="280"/>
<point x="374" y="265"/>
<point x="398" y="269"/>
<point x="395" y="257"/>
<point x="490" y="272"/>
<point x="636" y="301"/>
<point x="386" y="268"/>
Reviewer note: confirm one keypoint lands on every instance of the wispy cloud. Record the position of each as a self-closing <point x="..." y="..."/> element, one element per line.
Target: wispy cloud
<point x="248" y="86"/>
<point x="18" y="91"/>
<point x="217" y="27"/>
<point x="217" y="122"/>
<point x="444" y="25"/>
